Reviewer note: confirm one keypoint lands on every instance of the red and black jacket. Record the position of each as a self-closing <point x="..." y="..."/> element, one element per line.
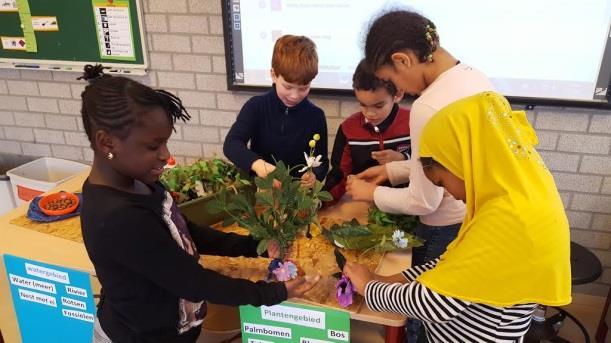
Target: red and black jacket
<point x="356" y="140"/>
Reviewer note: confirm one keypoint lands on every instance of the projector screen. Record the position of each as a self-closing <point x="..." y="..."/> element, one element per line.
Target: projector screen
<point x="544" y="50"/>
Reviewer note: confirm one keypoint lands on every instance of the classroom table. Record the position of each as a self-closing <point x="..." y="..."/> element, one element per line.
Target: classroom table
<point x="38" y="246"/>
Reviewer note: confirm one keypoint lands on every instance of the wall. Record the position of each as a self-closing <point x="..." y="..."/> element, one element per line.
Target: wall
<point x="39" y="115"/>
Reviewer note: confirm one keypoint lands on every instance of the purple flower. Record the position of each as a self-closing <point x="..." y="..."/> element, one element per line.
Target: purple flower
<point x="344" y="292"/>
<point x="275" y="263"/>
<point x="285" y="271"/>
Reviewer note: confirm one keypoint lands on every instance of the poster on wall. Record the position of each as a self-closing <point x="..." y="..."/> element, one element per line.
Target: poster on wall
<point x="52" y="303"/>
<point x="289" y="322"/>
<point x="114" y="27"/>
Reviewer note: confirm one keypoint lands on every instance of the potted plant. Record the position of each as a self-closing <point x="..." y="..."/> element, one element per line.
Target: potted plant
<point x="282" y="209"/>
<point x="194" y="186"/>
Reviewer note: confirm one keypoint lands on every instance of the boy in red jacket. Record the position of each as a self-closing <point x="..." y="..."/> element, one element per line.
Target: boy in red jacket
<point x="377" y="134"/>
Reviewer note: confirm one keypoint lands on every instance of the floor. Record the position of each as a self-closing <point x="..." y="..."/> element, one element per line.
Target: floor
<point x="586" y="308"/>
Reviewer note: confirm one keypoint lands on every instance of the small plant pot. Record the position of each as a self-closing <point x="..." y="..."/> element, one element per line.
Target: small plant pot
<point x="197" y="211"/>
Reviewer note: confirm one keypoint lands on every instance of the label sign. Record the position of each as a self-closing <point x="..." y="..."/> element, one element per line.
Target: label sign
<point x="114" y="27"/>
<point x="52" y="303"/>
<point x="289" y="322"/>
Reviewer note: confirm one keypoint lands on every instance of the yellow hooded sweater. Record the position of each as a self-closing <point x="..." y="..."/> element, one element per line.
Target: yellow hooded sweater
<point x="513" y="246"/>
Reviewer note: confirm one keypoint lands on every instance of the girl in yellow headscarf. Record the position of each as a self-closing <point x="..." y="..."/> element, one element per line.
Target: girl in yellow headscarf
<point x="512" y="251"/>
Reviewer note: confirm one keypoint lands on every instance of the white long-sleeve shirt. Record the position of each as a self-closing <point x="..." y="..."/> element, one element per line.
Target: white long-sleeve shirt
<point x="435" y="206"/>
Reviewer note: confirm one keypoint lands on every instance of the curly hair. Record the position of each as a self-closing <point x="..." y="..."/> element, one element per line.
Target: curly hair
<point x="364" y="79"/>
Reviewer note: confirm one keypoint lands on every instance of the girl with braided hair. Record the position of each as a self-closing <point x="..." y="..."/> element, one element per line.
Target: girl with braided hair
<point x="144" y="251"/>
<point x="404" y="47"/>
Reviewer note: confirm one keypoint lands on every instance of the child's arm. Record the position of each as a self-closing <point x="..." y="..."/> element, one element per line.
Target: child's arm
<point x="412" y="273"/>
<point x="409" y="274"/>
<point x="398" y="171"/>
<point x="241" y="132"/>
<point x="341" y="167"/>
<point x="387" y="155"/>
<point x="413" y="300"/>
<point x="141" y="243"/>
<point x="214" y="242"/>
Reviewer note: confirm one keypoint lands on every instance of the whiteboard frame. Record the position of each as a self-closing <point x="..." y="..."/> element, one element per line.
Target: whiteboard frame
<point x="77" y="66"/>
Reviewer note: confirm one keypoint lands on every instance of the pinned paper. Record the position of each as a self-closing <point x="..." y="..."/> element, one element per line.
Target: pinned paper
<point x="44" y="23"/>
<point x="13" y="43"/>
<point x="8" y="5"/>
<point x="113" y="23"/>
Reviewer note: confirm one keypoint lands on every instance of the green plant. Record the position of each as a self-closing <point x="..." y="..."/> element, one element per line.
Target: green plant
<point x="383" y="232"/>
<point x="404" y="222"/>
<point x="279" y="213"/>
<point x="202" y="178"/>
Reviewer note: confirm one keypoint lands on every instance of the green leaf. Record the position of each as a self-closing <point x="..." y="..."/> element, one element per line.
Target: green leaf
<point x="351" y="231"/>
<point x="264" y="182"/>
<point x="215" y="207"/>
<point x="281" y="170"/>
<point x="339" y="258"/>
<point x="262" y="246"/>
<point x="317" y="187"/>
<point x="264" y="198"/>
<point x="325" y="196"/>
<point x="228" y="221"/>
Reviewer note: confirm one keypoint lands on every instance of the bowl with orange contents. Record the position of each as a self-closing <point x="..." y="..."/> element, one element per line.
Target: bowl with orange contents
<point x="57" y="204"/>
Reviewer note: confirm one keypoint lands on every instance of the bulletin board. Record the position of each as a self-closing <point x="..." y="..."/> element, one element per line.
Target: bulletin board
<point x="67" y="34"/>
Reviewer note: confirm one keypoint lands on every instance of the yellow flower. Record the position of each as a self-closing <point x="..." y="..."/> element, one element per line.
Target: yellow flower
<point x="316" y="137"/>
<point x="315" y="230"/>
<point x="312" y="143"/>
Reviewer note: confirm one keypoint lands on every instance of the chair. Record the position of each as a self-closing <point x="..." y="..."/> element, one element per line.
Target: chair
<point x="605" y="321"/>
<point x="585" y="268"/>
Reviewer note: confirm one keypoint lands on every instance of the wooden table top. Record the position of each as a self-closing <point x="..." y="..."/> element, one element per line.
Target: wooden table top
<point x="31" y="244"/>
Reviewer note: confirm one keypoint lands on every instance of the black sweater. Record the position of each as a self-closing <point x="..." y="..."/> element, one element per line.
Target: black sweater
<point x="144" y="273"/>
<point x="277" y="133"/>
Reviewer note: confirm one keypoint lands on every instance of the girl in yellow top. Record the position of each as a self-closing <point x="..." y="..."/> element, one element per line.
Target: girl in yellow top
<point x="512" y="250"/>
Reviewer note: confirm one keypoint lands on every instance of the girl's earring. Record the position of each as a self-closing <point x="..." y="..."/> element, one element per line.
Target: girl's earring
<point x="110" y="156"/>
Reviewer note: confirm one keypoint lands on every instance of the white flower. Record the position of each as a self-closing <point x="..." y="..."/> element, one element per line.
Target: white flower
<point x="398" y="238"/>
<point x="311" y="162"/>
<point x="199" y="189"/>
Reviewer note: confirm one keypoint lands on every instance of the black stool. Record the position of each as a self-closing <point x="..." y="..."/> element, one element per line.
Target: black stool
<point x="585" y="268"/>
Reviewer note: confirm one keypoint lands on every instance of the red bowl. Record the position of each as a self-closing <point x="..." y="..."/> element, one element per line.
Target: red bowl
<point x="65" y="202"/>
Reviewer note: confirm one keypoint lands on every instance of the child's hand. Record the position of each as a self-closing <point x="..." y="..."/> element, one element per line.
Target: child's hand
<point x="360" y="190"/>
<point x="308" y="179"/>
<point x="262" y="168"/>
<point x="376" y="175"/>
<point x="297" y="287"/>
<point x="359" y="275"/>
<point x="387" y="155"/>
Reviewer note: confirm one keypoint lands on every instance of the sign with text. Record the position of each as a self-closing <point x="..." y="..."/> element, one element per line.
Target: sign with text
<point x="290" y="322"/>
<point x="52" y="303"/>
